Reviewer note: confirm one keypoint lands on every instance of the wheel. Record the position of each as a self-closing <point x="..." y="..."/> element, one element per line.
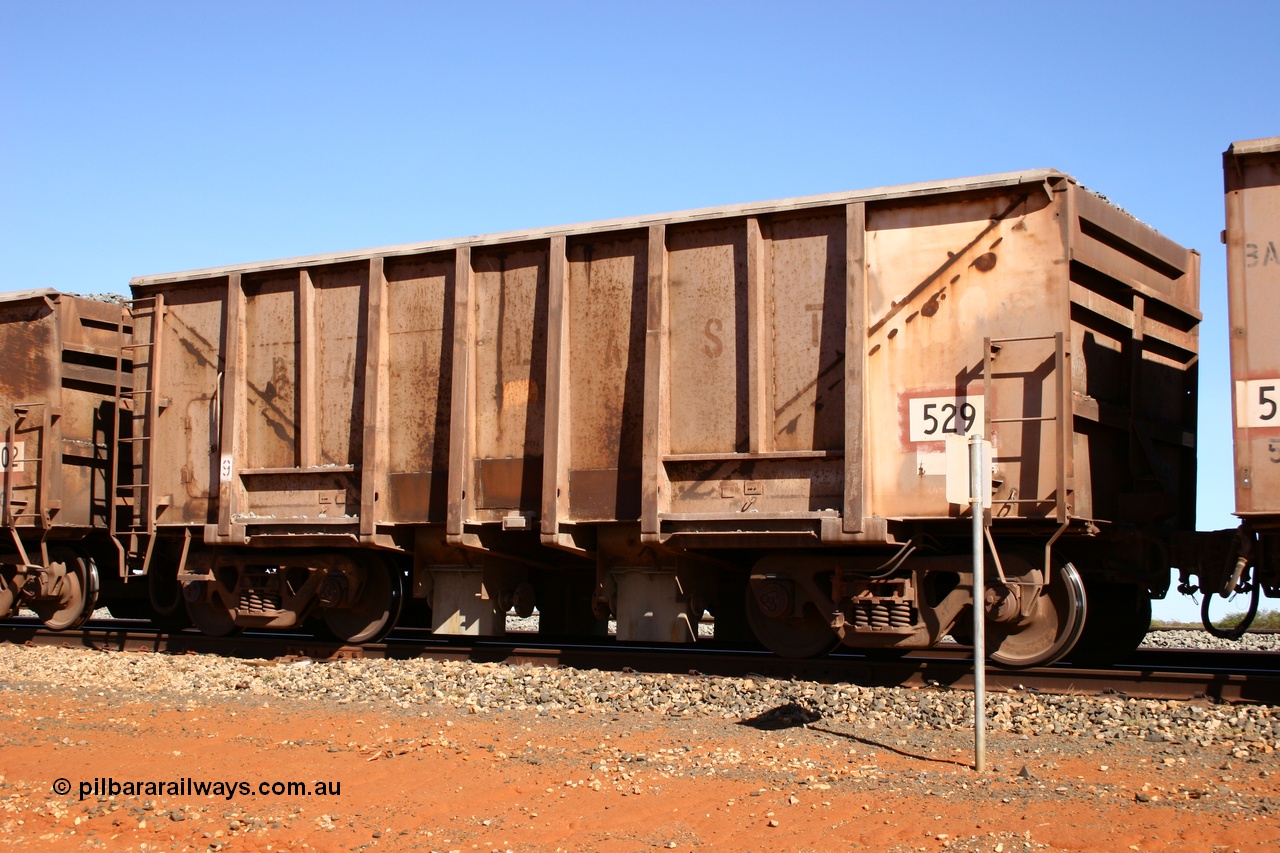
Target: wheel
<point x="8" y="600"/>
<point x="1119" y="616"/>
<point x="1052" y="627"/>
<point x="167" y="606"/>
<point x="794" y="637"/>
<point x="209" y="614"/>
<point x="73" y="607"/>
<point x="374" y="614"/>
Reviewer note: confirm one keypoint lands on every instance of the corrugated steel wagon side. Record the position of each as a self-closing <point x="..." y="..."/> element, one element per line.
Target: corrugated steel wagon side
<point x="743" y="409"/>
<point x="64" y="370"/>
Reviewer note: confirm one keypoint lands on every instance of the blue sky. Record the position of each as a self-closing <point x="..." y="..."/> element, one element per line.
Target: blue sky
<point x="141" y="138"/>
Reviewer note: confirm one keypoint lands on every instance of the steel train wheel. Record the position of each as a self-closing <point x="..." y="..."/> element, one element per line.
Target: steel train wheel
<point x="209" y="615"/>
<point x="795" y="637"/>
<point x="1053" y="625"/>
<point x="1119" y="617"/>
<point x="374" y="614"/>
<point x="8" y="599"/>
<point x="79" y="595"/>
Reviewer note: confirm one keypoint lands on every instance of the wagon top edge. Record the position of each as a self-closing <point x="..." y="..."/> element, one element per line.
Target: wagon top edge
<point x="886" y="193"/>
<point x="35" y="294"/>
<point x="1245" y="147"/>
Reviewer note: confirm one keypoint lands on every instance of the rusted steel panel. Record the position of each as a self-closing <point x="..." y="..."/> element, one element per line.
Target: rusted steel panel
<point x="806" y="298"/>
<point x="342" y="305"/>
<point x="655" y="488"/>
<point x="271" y="372"/>
<point x="707" y="289"/>
<point x="511" y="294"/>
<point x="747" y="371"/>
<point x="187" y="431"/>
<point x="855" y="367"/>
<point x="1251" y="171"/>
<point x="941" y="275"/>
<point x="607" y="299"/>
<point x="420" y="341"/>
<point x="57" y="408"/>
<point x="555" y="442"/>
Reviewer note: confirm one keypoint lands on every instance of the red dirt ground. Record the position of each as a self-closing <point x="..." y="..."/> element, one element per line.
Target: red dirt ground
<point x="446" y="781"/>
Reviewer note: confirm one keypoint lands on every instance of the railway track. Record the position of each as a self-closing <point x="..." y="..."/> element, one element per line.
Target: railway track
<point x="1216" y="676"/>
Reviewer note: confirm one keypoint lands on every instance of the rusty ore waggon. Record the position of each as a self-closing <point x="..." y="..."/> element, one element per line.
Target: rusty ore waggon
<point x="1248" y="560"/>
<point x="63" y="376"/>
<point x="743" y="410"/>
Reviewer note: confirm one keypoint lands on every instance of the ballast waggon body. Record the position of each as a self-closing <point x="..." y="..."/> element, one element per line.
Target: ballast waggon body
<point x="742" y="409"/>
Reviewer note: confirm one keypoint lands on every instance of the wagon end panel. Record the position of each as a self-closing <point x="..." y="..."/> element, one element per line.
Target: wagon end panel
<point x="1134" y="328"/>
<point x="29" y="342"/>
<point x="1252" y="184"/>
<point x="942" y="275"/>
<point x="91" y="334"/>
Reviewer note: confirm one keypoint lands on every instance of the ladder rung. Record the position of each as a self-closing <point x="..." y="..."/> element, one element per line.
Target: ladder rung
<point x="138" y="346"/>
<point x="137" y="438"/>
<point x="1023" y="420"/>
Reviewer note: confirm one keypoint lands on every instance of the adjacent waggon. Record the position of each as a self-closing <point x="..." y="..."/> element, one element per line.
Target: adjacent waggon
<point x="66" y="369"/>
<point x="742" y="410"/>
<point x="1247" y="561"/>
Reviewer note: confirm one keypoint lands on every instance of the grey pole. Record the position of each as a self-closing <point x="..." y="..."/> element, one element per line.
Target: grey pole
<point x="979" y="608"/>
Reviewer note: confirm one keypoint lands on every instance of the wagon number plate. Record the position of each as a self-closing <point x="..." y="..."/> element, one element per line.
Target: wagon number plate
<point x="11" y="457"/>
<point x="1258" y="403"/>
<point x="935" y="418"/>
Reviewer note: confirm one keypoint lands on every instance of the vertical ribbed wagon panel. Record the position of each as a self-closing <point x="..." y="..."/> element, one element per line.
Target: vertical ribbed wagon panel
<point x="807" y="269"/>
<point x="606" y="375"/>
<point x="342" y="307"/>
<point x="271" y="376"/>
<point x="187" y="440"/>
<point x="510" y="372"/>
<point x="707" y="289"/>
<point x="420" y="343"/>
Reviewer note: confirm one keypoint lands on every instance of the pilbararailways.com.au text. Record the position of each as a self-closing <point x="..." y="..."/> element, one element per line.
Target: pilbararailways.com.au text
<point x="108" y="786"/>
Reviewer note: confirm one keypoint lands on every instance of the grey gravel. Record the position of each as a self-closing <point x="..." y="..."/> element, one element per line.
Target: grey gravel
<point x="1204" y="640"/>
<point x="487" y="688"/>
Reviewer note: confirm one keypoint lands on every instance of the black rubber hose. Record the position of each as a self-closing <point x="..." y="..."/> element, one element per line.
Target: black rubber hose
<point x="1238" y="631"/>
